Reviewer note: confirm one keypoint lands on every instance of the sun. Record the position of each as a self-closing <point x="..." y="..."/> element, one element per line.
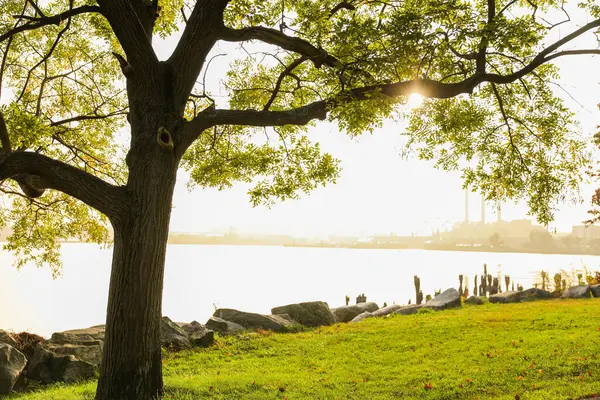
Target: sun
<point x="414" y="101"/>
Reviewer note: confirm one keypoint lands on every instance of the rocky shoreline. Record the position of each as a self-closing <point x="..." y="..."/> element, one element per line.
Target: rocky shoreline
<point x="75" y="355"/>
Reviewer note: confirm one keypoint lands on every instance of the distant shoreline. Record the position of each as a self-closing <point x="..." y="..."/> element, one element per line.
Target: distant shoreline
<point x="384" y="246"/>
<point x="394" y="246"/>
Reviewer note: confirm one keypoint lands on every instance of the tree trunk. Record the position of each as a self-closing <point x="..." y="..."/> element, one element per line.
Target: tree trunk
<point x="131" y="367"/>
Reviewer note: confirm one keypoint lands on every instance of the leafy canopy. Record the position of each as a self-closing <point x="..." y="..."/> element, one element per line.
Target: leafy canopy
<point x="64" y="96"/>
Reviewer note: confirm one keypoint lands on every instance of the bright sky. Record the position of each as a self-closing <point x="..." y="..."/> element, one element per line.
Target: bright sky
<point x="379" y="192"/>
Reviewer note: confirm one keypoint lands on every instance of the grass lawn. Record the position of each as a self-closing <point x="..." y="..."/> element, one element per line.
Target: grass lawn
<point x="539" y="350"/>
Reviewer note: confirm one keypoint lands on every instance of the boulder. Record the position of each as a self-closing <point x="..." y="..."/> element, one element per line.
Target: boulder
<point x="223" y="327"/>
<point x="578" y="292"/>
<point x="71" y="370"/>
<point x="370" y="306"/>
<point x="386" y="310"/>
<point x="409" y="309"/>
<point x="595" y="291"/>
<point x="348" y="313"/>
<point x="198" y="334"/>
<point x="80" y="336"/>
<point x="7" y="338"/>
<point x="276" y="323"/>
<point x="84" y="344"/>
<point x="449" y="298"/>
<point x="474" y="300"/>
<point x="172" y="336"/>
<point x="362" y="316"/>
<point x="535" y="294"/>
<point x="90" y="352"/>
<point x="506" y="297"/>
<point x="12" y="363"/>
<point x="48" y="367"/>
<point x="313" y="313"/>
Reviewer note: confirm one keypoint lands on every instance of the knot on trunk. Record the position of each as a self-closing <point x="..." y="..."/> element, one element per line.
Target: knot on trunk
<point x="164" y="139"/>
<point x="31" y="185"/>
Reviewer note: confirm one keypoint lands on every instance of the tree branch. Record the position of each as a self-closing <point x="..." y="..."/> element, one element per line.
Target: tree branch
<point x="343" y="5"/>
<point x="132" y="36"/>
<point x="509" y="128"/>
<point x="52" y="20"/>
<point x="88" y="117"/>
<point x="48" y="173"/>
<point x="485" y="39"/>
<point x="571" y="53"/>
<point x="318" y="56"/>
<point x="198" y="38"/>
<point x="4" y="138"/>
<point x="318" y="110"/>
<point x="287" y="71"/>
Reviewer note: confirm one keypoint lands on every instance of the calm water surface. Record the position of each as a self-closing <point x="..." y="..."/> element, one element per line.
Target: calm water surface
<point x="250" y="278"/>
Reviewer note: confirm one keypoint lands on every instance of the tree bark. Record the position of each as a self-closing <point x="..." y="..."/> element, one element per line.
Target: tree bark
<point x="131" y="367"/>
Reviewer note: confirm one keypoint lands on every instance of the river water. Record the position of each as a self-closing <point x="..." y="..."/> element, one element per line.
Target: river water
<point x="251" y="278"/>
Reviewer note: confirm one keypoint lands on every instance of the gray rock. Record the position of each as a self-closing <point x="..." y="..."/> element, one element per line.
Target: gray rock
<point x="12" y="363"/>
<point x="314" y="313"/>
<point x="80" y="336"/>
<point x="368" y="306"/>
<point x="506" y="297"/>
<point x="39" y="365"/>
<point x="535" y="294"/>
<point x="348" y="313"/>
<point x="198" y="334"/>
<point x="84" y="344"/>
<point x="578" y="292"/>
<point x="517" y="297"/>
<point x="274" y="323"/>
<point x="362" y="316"/>
<point x="474" y="300"/>
<point x="409" y="309"/>
<point x="71" y="370"/>
<point x="595" y="290"/>
<point x="386" y="310"/>
<point x="172" y="336"/>
<point x="7" y="338"/>
<point x="90" y="352"/>
<point x="449" y="298"/>
<point x="223" y="327"/>
<point x="48" y="367"/>
<point x="283" y="319"/>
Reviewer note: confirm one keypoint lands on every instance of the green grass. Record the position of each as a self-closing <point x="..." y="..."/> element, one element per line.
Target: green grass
<point x="538" y="350"/>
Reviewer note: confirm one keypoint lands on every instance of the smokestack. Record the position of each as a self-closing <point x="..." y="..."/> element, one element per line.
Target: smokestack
<point x="482" y="209"/>
<point x="466" y="205"/>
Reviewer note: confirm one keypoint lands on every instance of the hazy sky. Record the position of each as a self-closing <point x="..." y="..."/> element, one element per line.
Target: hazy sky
<point x="378" y="191"/>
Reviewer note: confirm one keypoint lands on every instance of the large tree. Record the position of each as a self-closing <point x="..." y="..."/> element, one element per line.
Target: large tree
<point x="75" y="73"/>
